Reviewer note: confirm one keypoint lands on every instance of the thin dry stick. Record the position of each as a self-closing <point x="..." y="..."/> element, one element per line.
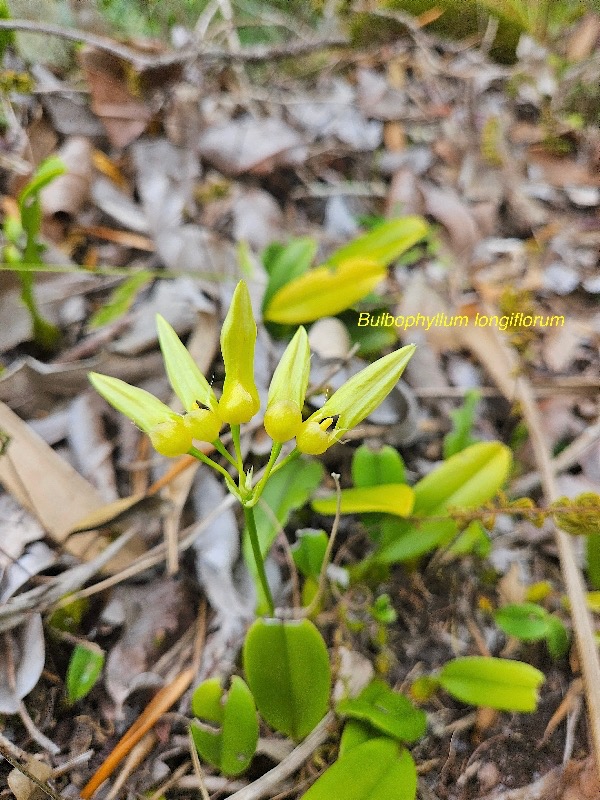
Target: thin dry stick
<point x="265" y="785"/>
<point x="13" y="749"/>
<point x="136" y="757"/>
<point x="173" y="778"/>
<point x="563" y="461"/>
<point x="197" y="768"/>
<point x="311" y="608"/>
<point x="36" y="734"/>
<point x="40" y="784"/>
<point x="582" y="623"/>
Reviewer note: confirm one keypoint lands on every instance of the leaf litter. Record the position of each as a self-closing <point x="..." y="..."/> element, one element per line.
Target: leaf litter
<point x="198" y="161"/>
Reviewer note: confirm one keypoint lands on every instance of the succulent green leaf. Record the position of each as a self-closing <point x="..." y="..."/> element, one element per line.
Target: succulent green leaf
<point x="378" y="769"/>
<point x="83" y="671"/>
<point x="226" y="733"/>
<point x="287" y="263"/>
<point x="403" y="541"/>
<point x="287" y="668"/>
<point x="395" y="498"/>
<point x="324" y="291"/>
<point x="121" y="299"/>
<point x="557" y="639"/>
<point x="526" y="621"/>
<point x="139" y="405"/>
<point x="387" y="711"/>
<point x="385" y="243"/>
<point x="186" y="379"/>
<point x="465" y="480"/>
<point x="355" y="733"/>
<point x="492" y="682"/>
<point x="473" y="540"/>
<point x="373" y="467"/>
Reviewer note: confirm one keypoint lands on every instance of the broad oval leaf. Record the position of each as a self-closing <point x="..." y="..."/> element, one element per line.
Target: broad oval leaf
<point x="355" y="733"/>
<point x="376" y="770"/>
<point x="372" y="467"/>
<point x="526" y="621"/>
<point x="465" y="480"/>
<point x="385" y="243"/>
<point x="492" y="682"/>
<point x="387" y="711"/>
<point x="287" y="668"/>
<point x="394" y="498"/>
<point x="402" y="540"/>
<point x="324" y="291"/>
<point x="84" y="670"/>
<point x="229" y="736"/>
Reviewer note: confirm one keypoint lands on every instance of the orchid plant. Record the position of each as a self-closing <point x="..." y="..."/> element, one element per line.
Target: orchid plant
<point x="204" y="416"/>
<point x="286" y="662"/>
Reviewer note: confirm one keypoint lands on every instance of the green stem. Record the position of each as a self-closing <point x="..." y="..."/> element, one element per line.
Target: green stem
<point x="193" y="451"/>
<point x="258" y="489"/>
<point x="235" y="437"/>
<point x="218" y="445"/>
<point x="284" y="461"/>
<point x="258" y="559"/>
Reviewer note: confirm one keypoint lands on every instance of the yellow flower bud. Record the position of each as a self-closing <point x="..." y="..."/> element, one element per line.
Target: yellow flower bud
<point x="312" y="438"/>
<point x="239" y="401"/>
<point x="172" y="437"/>
<point x="288" y="389"/>
<point x="203" y="425"/>
<point x="283" y="418"/>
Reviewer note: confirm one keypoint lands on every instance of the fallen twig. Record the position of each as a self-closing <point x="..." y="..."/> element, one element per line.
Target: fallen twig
<point x="143" y="61"/>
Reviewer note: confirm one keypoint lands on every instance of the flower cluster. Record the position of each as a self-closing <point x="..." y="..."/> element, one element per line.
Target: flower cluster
<point x="173" y="434"/>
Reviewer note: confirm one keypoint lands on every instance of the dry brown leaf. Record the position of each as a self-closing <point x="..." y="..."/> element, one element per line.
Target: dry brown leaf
<point x="250" y="144"/>
<point x="123" y="115"/>
<point x="35" y="387"/>
<point x="584" y="38"/>
<point x="151" y="615"/>
<point x="446" y="207"/>
<point x="50" y="489"/>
